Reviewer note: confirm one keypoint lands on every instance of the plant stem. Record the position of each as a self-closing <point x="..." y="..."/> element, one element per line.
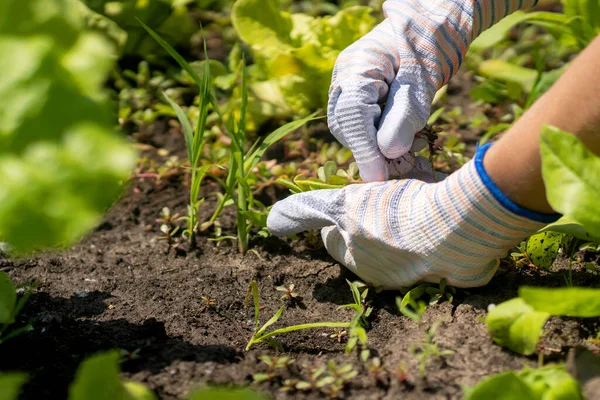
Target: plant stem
<point x="293" y="328"/>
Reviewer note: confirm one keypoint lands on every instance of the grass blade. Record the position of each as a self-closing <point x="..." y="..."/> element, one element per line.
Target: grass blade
<point x="274" y="137"/>
<point x="271" y="321"/>
<point x="180" y="60"/>
<point x="188" y="132"/>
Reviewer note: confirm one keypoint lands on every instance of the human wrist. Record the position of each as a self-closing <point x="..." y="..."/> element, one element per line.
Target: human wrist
<point x="527" y="208"/>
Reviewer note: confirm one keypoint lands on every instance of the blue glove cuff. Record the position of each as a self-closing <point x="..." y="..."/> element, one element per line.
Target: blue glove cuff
<point x="502" y="198"/>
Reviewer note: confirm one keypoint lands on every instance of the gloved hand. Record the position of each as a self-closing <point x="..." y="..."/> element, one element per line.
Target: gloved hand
<point x="401" y="232"/>
<point x="402" y="62"/>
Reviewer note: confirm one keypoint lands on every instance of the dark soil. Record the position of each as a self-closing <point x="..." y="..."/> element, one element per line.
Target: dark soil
<point x="122" y="288"/>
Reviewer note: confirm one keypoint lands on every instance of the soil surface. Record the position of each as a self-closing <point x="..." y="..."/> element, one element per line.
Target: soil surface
<point x="122" y="288"/>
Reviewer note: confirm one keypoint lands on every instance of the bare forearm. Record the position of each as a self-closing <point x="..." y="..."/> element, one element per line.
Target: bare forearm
<point x="573" y="105"/>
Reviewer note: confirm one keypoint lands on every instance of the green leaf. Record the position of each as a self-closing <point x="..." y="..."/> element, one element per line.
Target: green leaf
<point x="261" y="24"/>
<point x="505" y="386"/>
<point x="551" y="383"/>
<point x="97" y="378"/>
<point x="568" y="226"/>
<point x="188" y="131"/>
<point x="53" y="115"/>
<point x="542" y="248"/>
<point x="225" y="394"/>
<point x="271" y="321"/>
<point x="274" y="137"/>
<point x="10" y="385"/>
<point x="571" y="301"/>
<point x="8" y="299"/>
<point x="509" y="73"/>
<point x="498" y="31"/>
<point x="571" y="172"/>
<point x="516" y="325"/>
<point x="547" y="383"/>
<point x="137" y="391"/>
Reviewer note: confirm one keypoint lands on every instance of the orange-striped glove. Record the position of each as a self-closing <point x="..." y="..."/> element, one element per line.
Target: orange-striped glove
<point x="402" y="63"/>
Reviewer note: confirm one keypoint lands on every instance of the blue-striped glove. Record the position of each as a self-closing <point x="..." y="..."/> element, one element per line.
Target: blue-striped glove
<point x="402" y="63"/>
<point x="401" y="232"/>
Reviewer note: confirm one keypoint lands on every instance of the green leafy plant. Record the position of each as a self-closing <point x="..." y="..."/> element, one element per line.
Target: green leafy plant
<point x="517" y="323"/>
<point x="260" y="332"/>
<point x="241" y="162"/>
<point x="57" y="134"/>
<point x="570" y="173"/>
<point x="548" y="383"/>
<point x="10" y="307"/>
<point x="97" y="378"/>
<point x="295" y="53"/>
<point x="169" y="18"/>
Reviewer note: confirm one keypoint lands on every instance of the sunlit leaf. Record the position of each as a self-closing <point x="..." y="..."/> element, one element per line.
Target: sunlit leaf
<point x="516" y="325"/>
<point x="571" y="172"/>
<point x="568" y="301"/>
<point x="542" y="248"/>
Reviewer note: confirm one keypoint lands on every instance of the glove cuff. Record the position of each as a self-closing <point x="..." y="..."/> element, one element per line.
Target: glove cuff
<point x="504" y="200"/>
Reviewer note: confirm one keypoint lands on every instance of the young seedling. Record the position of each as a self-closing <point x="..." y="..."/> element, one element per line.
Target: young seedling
<point x="261" y="335"/>
<point x="168" y="233"/>
<point x="359" y="322"/>
<point x="274" y="364"/>
<point x="241" y="163"/>
<point x="376" y="370"/>
<point x="338" y="335"/>
<point x="194" y="139"/>
<point x="207" y="303"/>
<point x="410" y="305"/>
<point x="428" y="349"/>
<point x="439" y="294"/>
<point x="166" y="217"/>
<point x="10" y="306"/>
<point x="329" y="380"/>
<point x="288" y="292"/>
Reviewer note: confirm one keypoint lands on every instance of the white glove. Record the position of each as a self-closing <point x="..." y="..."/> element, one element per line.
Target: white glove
<point x="402" y="63"/>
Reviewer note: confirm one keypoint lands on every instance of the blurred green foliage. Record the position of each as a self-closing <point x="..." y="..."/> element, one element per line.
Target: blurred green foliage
<point x="294" y="54"/>
<point x="170" y="18"/>
<point x="60" y="161"/>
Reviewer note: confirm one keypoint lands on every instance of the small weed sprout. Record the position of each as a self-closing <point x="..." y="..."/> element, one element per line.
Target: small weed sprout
<point x="168" y="233"/>
<point x="338" y="335"/>
<point x="127" y="355"/>
<point x="207" y="303"/>
<point x="376" y="370"/>
<point x="11" y="306"/>
<point x="329" y="380"/>
<point x="439" y="294"/>
<point x="260" y="335"/>
<point x="274" y="364"/>
<point x="288" y="292"/>
<point x="428" y="349"/>
<point x="520" y="257"/>
<point x="359" y="322"/>
<point x="166" y="217"/>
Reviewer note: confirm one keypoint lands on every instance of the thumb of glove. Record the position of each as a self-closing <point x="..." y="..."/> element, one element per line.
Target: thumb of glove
<point x="306" y="211"/>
